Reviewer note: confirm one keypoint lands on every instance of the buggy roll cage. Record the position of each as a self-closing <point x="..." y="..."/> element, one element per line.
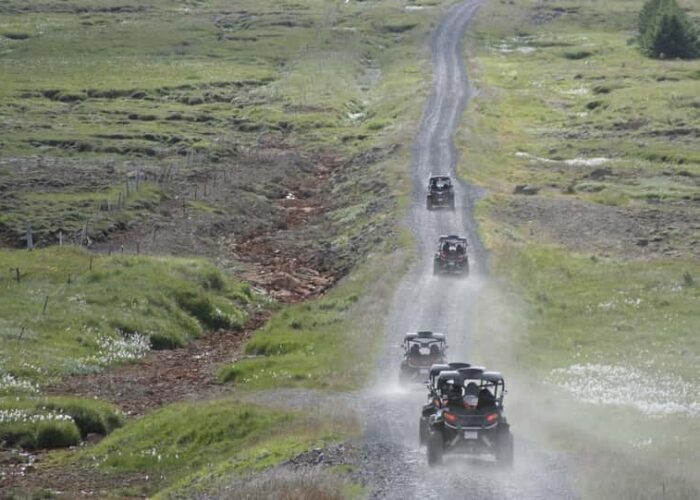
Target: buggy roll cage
<point x="459" y="373"/>
<point x="424" y="339"/>
<point x="445" y="179"/>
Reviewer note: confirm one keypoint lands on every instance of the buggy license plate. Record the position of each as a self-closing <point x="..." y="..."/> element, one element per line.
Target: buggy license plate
<point x="471" y="435"/>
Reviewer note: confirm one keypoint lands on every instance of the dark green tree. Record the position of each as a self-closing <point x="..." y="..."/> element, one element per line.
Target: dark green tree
<point x="648" y="14"/>
<point x="665" y="31"/>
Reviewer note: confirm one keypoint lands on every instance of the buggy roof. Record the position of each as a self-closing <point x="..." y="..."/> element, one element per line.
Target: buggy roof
<point x="440" y="177"/>
<point x="471" y="373"/>
<point x="452" y="237"/>
<point x="424" y="337"/>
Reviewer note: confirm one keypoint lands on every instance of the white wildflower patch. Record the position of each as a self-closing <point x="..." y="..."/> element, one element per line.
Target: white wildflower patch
<point x="505" y="47"/>
<point x="654" y="395"/>
<point x="572" y="162"/>
<point x="120" y="349"/>
<point x="618" y="302"/>
<point x="10" y="384"/>
<point x="355" y="117"/>
<point x="271" y="375"/>
<point x="577" y="91"/>
<point x="26" y="417"/>
<point x="111" y="350"/>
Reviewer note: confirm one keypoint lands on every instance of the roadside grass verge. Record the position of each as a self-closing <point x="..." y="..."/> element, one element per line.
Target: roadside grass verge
<point x="77" y="313"/>
<point x="187" y="447"/>
<point x="605" y="311"/>
<point x="594" y="277"/>
<point x="54" y="422"/>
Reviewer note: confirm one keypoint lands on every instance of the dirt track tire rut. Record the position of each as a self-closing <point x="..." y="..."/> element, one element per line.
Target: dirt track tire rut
<point x="393" y="463"/>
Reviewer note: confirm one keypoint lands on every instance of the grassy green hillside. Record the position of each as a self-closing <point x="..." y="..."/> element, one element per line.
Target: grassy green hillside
<point x="146" y="116"/>
<point x="195" y="128"/>
<point x="103" y="310"/>
<point x="590" y="151"/>
<point x="72" y="313"/>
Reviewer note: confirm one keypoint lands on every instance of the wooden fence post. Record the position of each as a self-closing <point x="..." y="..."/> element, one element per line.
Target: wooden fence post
<point x="30" y="237"/>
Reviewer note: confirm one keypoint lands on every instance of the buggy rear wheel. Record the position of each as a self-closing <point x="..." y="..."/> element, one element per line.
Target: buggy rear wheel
<point x="504" y="448"/>
<point x="436" y="447"/>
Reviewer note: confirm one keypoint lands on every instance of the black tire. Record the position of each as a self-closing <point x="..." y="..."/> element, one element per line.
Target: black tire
<point x="436" y="447"/>
<point x="452" y="204"/>
<point x="504" y="448"/>
<point x="422" y="431"/>
<point x="428" y="204"/>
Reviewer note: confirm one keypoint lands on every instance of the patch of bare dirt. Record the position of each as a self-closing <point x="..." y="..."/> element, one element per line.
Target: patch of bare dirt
<point x="163" y="376"/>
<point x="632" y="233"/>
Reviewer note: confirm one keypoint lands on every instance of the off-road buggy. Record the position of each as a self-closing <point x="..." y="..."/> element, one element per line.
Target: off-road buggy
<point x="470" y="417"/>
<point x="441" y="193"/>
<point x="451" y="256"/>
<point x="421" y="351"/>
<point x="440" y="377"/>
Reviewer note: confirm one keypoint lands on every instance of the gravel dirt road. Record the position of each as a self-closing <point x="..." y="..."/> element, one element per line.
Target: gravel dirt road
<point x="393" y="464"/>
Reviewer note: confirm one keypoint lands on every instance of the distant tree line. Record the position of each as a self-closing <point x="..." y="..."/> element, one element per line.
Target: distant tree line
<point x="667" y="32"/>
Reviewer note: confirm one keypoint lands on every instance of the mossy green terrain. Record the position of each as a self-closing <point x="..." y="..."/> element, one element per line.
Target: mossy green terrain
<point x="54" y="422"/>
<point x="76" y="313"/>
<point x="187" y="128"/>
<point x="191" y="447"/>
<point x="197" y="101"/>
<point x="590" y="151"/>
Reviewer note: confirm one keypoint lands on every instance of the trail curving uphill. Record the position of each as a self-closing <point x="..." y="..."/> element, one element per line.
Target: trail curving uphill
<point x="392" y="462"/>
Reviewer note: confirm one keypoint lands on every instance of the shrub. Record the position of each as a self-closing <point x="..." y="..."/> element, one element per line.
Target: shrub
<point x="32" y="431"/>
<point x="162" y="341"/>
<point x="89" y="415"/>
<point x="576" y="55"/>
<point x="665" y="31"/>
<point x="56" y="434"/>
<point x="54" y="422"/>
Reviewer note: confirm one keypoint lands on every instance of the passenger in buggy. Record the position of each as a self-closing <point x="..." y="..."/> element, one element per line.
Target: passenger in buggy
<point x="435" y="355"/>
<point x="446" y="248"/>
<point x="486" y="399"/>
